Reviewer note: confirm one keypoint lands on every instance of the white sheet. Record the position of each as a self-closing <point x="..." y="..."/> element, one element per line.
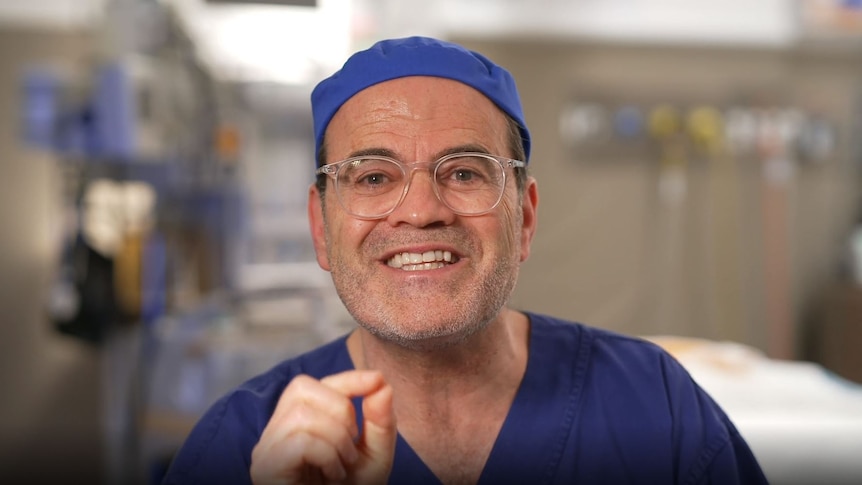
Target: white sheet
<point x="803" y="423"/>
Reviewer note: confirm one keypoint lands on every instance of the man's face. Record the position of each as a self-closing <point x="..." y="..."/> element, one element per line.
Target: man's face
<point x="419" y="119"/>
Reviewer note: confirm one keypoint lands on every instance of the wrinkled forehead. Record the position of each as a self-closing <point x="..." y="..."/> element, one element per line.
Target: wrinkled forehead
<point x="417" y="116"/>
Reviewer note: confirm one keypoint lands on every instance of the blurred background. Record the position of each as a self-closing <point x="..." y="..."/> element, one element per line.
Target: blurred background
<point x="698" y="165"/>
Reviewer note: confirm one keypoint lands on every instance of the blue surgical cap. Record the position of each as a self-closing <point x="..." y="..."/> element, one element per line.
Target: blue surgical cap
<point x="415" y="56"/>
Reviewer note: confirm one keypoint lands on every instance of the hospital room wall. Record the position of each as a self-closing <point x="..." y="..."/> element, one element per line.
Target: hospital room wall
<point x="595" y="258"/>
<point x="50" y="410"/>
<point x="735" y="257"/>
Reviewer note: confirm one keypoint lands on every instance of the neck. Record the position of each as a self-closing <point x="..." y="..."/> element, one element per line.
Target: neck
<point x="429" y="383"/>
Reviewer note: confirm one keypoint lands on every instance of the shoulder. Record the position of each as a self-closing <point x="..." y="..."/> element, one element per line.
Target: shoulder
<point x="612" y="351"/>
<point x="611" y="366"/>
<point x="218" y="449"/>
<point x="636" y="395"/>
<point x="614" y="363"/>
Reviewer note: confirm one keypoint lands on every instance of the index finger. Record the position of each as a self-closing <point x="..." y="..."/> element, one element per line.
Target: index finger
<point x="353" y="383"/>
<point x="331" y="393"/>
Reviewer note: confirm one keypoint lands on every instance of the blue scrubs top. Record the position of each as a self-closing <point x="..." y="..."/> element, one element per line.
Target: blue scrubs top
<point x="593" y="407"/>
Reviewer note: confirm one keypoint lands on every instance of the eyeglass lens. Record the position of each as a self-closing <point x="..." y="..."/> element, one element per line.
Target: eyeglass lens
<point x="371" y="187"/>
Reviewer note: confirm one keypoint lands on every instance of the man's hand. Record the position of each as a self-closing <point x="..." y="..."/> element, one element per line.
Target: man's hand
<point x="312" y="436"/>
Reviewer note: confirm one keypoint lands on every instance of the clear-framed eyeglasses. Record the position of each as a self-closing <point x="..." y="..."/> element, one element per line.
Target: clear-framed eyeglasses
<point x="373" y="186"/>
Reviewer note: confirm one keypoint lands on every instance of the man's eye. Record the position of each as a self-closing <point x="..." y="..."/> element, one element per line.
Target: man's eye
<point x="373" y="179"/>
<point x="464" y="175"/>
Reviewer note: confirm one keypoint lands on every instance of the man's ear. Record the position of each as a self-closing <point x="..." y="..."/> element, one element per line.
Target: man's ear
<point x="318" y="228"/>
<point x="529" y="206"/>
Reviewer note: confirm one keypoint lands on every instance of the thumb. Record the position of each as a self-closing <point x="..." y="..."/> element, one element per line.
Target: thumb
<point x="379" y="431"/>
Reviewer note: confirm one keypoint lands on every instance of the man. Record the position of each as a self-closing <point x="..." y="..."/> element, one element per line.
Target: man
<point x="423" y="213"/>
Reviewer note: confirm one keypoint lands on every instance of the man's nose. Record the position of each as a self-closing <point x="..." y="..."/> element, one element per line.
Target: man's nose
<point x="421" y="207"/>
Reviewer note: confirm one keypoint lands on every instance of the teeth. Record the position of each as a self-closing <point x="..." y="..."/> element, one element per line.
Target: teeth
<point x="420" y="261"/>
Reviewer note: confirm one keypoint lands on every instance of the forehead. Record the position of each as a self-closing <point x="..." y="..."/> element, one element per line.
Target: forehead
<point x="416" y="116"/>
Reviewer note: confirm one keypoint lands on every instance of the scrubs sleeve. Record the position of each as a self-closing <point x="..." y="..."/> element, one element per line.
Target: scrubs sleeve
<point x="721" y="455"/>
<point x="218" y="450"/>
<point x="734" y="464"/>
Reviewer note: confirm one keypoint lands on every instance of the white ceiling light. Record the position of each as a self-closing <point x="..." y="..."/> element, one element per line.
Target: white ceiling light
<point x="63" y="14"/>
<point x="273" y="43"/>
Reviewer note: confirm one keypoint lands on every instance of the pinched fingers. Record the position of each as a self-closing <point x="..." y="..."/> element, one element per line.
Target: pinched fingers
<point x="330" y="395"/>
<point x="313" y="426"/>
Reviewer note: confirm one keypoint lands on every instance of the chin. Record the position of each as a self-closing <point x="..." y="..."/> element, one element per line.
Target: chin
<point x="439" y="336"/>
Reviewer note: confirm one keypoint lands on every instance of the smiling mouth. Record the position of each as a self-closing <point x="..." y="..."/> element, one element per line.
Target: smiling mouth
<point x="421" y="261"/>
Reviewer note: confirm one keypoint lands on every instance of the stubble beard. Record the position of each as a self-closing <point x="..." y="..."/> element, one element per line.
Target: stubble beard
<point x="405" y="317"/>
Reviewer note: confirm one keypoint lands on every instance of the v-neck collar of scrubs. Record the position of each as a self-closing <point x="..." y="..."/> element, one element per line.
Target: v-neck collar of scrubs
<point x="529" y="446"/>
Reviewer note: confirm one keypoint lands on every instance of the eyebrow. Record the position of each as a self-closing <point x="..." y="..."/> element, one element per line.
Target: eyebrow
<point x="380" y="152"/>
<point x="470" y="147"/>
<point x="385" y="152"/>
